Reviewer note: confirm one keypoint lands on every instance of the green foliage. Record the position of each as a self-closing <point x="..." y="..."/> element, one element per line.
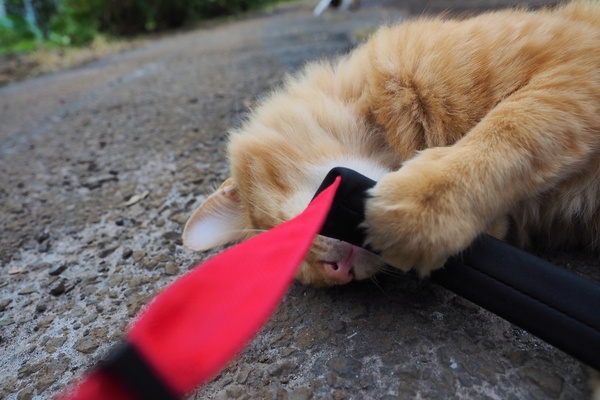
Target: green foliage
<point x="16" y="35"/>
<point x="130" y="17"/>
<point x="77" y="22"/>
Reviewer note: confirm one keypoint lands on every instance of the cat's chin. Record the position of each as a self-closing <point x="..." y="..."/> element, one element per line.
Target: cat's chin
<point x="366" y="265"/>
<point x="332" y="262"/>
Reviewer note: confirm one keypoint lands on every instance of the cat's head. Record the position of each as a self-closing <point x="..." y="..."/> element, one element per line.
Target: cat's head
<point x="278" y="159"/>
<point x="269" y="186"/>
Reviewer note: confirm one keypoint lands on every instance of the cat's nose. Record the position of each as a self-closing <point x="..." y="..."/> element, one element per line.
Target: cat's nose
<point x="339" y="271"/>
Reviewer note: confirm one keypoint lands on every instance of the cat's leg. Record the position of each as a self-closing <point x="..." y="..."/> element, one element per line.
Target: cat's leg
<point x="437" y="203"/>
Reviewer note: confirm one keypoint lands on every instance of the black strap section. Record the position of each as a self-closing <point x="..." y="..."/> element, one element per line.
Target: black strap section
<point x="556" y="305"/>
<point x="130" y="368"/>
<point x="552" y="303"/>
<point x="348" y="208"/>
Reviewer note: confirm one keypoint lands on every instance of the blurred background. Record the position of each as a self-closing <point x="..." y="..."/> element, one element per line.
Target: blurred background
<point x="42" y="36"/>
<point x="29" y="24"/>
<point x="25" y="24"/>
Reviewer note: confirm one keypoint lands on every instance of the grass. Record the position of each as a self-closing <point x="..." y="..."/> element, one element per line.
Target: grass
<point x="46" y="59"/>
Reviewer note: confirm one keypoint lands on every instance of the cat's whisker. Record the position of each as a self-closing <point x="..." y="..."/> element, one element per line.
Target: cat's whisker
<point x="376" y="283"/>
<point x="246" y="231"/>
<point x="391" y="271"/>
<point x="270" y="214"/>
<point x="593" y="244"/>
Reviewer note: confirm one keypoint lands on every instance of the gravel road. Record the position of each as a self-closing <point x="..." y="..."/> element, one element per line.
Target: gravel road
<point x="100" y="167"/>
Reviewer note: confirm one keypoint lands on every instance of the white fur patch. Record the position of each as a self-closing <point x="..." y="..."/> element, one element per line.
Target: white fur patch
<point x="364" y="167"/>
<point x="305" y="191"/>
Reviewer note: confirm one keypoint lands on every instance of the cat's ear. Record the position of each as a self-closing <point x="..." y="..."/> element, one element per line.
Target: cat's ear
<point x="217" y="221"/>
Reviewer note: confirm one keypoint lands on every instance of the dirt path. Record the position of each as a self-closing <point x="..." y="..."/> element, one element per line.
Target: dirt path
<point x="78" y="259"/>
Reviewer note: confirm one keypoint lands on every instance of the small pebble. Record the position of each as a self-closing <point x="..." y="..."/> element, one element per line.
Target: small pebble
<point x="4" y="304"/>
<point x="45" y="321"/>
<point x="242" y="375"/>
<point x="138" y="255"/>
<point x="28" y="290"/>
<point x="108" y="251"/>
<point x="57" y="270"/>
<point x="26" y="393"/>
<point x="44" y="247"/>
<point x="127" y="253"/>
<point x="86" y="345"/>
<point x="171" y="269"/>
<point x="88" y="319"/>
<point x="338" y="395"/>
<point x="58" y="289"/>
<point x="42" y="237"/>
<point x="234" y="391"/>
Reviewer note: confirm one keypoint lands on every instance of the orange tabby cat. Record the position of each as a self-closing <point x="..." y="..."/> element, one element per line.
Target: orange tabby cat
<point x="489" y="124"/>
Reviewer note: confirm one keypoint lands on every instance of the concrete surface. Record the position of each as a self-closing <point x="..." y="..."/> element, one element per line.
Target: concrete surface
<point x="99" y="169"/>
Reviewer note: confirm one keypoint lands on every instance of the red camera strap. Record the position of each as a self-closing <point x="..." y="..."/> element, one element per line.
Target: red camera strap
<point x="196" y="325"/>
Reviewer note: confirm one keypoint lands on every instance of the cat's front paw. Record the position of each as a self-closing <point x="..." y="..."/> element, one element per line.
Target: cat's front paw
<point x="419" y="216"/>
